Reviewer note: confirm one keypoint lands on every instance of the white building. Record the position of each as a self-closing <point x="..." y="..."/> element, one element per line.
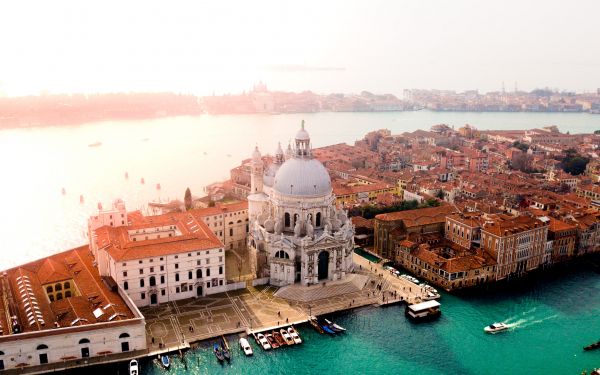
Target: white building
<point x="162" y="258"/>
<point x="296" y="231"/>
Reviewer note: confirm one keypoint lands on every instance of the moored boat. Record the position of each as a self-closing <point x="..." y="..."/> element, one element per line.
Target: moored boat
<point x="218" y="352"/>
<point x="286" y="336"/>
<point x="165" y="361"/>
<point x="134" y="368"/>
<point x="280" y="340"/>
<point x="496" y="327"/>
<point x="263" y="342"/>
<point x="335" y="327"/>
<point x="294" y="334"/>
<point x="274" y="344"/>
<point x="424" y="310"/>
<point x="313" y="322"/>
<point x="327" y="328"/>
<point x="225" y="348"/>
<point x="245" y="345"/>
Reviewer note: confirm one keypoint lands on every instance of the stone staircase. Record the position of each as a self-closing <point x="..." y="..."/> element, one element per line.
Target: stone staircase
<point x="352" y="283"/>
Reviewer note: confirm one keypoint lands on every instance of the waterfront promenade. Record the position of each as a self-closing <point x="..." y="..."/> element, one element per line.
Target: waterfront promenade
<point x="179" y="324"/>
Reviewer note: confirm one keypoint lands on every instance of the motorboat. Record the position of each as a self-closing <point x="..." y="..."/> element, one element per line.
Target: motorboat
<point x="262" y="341"/>
<point x="280" y="340"/>
<point x="218" y="352"/>
<point x="496" y="327"/>
<point x="593" y="346"/>
<point x="165" y="361"/>
<point x="286" y="337"/>
<point x="274" y="344"/>
<point x="245" y="345"/>
<point x="134" y="368"/>
<point x="335" y="327"/>
<point x="295" y="336"/>
<point x="327" y="328"/>
<point x="313" y="322"/>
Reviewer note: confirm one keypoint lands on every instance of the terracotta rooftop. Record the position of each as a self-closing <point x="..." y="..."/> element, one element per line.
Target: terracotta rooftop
<point x="421" y="216"/>
<point x="26" y="286"/>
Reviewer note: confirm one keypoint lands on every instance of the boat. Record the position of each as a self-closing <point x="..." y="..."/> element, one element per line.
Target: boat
<point x="134" y="368"/>
<point x="263" y="342"/>
<point x="245" y="345"/>
<point x="126" y="175"/>
<point x="274" y="344"/>
<point x="335" y="327"/>
<point x="165" y="361"/>
<point x="424" y="310"/>
<point x="593" y="346"/>
<point x="95" y="144"/>
<point x="287" y="337"/>
<point x="496" y="327"/>
<point x="157" y="186"/>
<point x="218" y="352"/>
<point x="225" y="349"/>
<point x="316" y="326"/>
<point x="63" y="191"/>
<point x="143" y="181"/>
<point x="429" y="296"/>
<point x="595" y="371"/>
<point x="294" y="334"/>
<point x="327" y="328"/>
<point x="81" y="200"/>
<point x="280" y="340"/>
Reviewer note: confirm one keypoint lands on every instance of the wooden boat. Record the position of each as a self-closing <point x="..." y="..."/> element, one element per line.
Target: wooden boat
<point x="225" y="349"/>
<point x="286" y="336"/>
<point x="218" y="352"/>
<point x="165" y="361"/>
<point x="279" y="338"/>
<point x="272" y="341"/>
<point x="316" y="326"/>
<point x="295" y="335"/>
<point x="335" y="327"/>
<point x="593" y="346"/>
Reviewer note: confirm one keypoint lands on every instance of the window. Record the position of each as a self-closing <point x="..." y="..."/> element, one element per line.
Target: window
<point x="198" y="273"/>
<point x="176" y="256"/>
<point x="151" y="269"/>
<point x="51" y="297"/>
<point x="198" y="262"/>
<point x="220" y="270"/>
<point x="162" y="268"/>
<point x="318" y="220"/>
<point x="143" y="296"/>
<point x="123" y="335"/>
<point x="58" y="296"/>
<point x="162" y="292"/>
<point x="141" y="271"/>
<point x="67" y="285"/>
<point x="125" y="285"/>
<point x="287" y="219"/>
<point x="58" y="287"/>
<point x="176" y="265"/>
<point x="176" y="277"/>
<point x="124" y="273"/>
<point x="161" y="258"/>
<point x="67" y="294"/>
<point x="190" y="275"/>
<point x="152" y="281"/>
<point x="220" y="282"/>
<point x="141" y="283"/>
<point x="42" y="347"/>
<point x="220" y="250"/>
<point x="141" y="261"/>
<point x="49" y="289"/>
<point x="207" y="272"/>
<point x="230" y="232"/>
<point x="189" y="254"/>
<point x="207" y="260"/>
<point x="177" y="290"/>
<point x="208" y="284"/>
<point x="220" y="259"/>
<point x="84" y="341"/>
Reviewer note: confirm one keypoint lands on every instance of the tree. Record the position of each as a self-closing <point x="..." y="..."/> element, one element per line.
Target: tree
<point x="521" y="162"/>
<point x="597" y="132"/>
<point x="187" y="200"/>
<point x="521" y="146"/>
<point x="440" y="194"/>
<point x="574" y="163"/>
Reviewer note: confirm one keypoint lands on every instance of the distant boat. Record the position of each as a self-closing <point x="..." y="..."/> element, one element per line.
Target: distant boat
<point x="126" y="175"/>
<point x="496" y="327"/>
<point x="294" y="335"/>
<point x="334" y="326"/>
<point x="143" y="181"/>
<point x="134" y="368"/>
<point x="81" y="199"/>
<point x="95" y="144"/>
<point x="245" y="345"/>
<point x="63" y="191"/>
<point x="316" y="326"/>
<point x="593" y="346"/>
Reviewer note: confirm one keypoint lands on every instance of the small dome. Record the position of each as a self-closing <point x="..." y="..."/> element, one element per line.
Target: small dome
<point x="302" y="177"/>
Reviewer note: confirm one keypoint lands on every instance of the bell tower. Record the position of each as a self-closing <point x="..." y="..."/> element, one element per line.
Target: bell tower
<point x="256" y="174"/>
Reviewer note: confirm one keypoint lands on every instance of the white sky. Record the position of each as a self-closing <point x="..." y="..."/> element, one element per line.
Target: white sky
<point x="227" y="46"/>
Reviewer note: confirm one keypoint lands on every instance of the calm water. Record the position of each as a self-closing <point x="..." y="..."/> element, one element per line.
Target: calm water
<point x="553" y="320"/>
<point x="35" y="164"/>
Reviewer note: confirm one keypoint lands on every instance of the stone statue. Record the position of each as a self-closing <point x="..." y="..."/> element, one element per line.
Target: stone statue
<point x="310" y="269"/>
<point x="309" y="230"/>
<point x="297" y="229"/>
<point x="278" y="226"/>
<point x="326" y="229"/>
<point x="336" y="224"/>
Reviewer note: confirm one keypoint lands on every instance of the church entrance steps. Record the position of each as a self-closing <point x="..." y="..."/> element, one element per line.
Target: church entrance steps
<point x="352" y="283"/>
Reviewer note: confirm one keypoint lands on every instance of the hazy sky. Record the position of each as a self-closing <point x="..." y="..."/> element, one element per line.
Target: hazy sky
<point x="227" y="46"/>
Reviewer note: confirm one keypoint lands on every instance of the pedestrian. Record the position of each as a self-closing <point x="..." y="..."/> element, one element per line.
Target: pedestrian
<point x="287" y="320"/>
<point x="279" y="313"/>
<point x="278" y="323"/>
<point x="152" y="340"/>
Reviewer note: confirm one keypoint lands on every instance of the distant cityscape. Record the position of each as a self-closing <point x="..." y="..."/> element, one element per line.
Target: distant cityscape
<point x="79" y="108"/>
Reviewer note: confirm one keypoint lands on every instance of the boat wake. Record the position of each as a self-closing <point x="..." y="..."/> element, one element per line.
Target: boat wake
<point x="538" y="321"/>
<point x="509" y="320"/>
<point x="528" y="322"/>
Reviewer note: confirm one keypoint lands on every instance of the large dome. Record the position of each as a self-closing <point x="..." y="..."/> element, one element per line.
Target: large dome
<point x="303" y="177"/>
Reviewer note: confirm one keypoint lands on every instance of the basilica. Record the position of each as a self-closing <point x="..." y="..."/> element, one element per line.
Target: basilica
<point x="297" y="235"/>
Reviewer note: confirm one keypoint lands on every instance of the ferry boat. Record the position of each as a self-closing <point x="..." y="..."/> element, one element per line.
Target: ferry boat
<point x="245" y="345"/>
<point x="134" y="368"/>
<point x="294" y="334"/>
<point x="496" y="327"/>
<point x="424" y="310"/>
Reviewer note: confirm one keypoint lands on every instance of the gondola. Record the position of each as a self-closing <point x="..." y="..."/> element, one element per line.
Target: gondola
<point x="226" y="352"/>
<point x="593" y="346"/>
<point x="316" y="326"/>
<point x="218" y="352"/>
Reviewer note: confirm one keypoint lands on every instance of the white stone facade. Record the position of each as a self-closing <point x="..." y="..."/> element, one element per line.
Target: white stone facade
<point x="296" y="232"/>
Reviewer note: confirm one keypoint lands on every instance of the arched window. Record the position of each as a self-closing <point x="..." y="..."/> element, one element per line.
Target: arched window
<point x="239" y="221"/>
<point x="123" y="335"/>
<point x="141" y="283"/>
<point x="58" y="296"/>
<point x="152" y="281"/>
<point x="67" y="294"/>
<point x="318" y="220"/>
<point x="282" y="254"/>
<point x="287" y="219"/>
<point x="198" y="273"/>
<point x="42" y="347"/>
<point x="84" y="341"/>
<point x="230" y="232"/>
<point x="67" y="285"/>
<point x="58" y="287"/>
<point x="49" y="289"/>
<point x="231" y="223"/>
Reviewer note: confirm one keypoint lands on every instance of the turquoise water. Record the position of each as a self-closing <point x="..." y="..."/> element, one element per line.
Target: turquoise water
<point x="367" y="255"/>
<point x="554" y="318"/>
